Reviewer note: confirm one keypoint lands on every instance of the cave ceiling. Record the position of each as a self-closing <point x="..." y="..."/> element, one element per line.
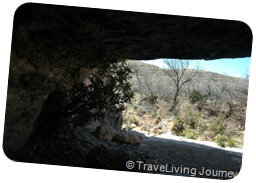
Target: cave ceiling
<point x="86" y="35"/>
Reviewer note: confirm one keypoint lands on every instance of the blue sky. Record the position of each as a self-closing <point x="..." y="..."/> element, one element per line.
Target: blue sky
<point x="237" y="67"/>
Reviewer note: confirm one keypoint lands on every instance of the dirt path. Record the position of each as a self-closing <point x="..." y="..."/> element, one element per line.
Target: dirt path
<point x="191" y="159"/>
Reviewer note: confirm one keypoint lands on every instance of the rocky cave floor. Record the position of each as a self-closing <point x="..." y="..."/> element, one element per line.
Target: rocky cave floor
<point x="82" y="148"/>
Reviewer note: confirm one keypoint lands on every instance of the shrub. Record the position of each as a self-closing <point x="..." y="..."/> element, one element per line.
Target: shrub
<point x="164" y="108"/>
<point x="189" y="115"/>
<point x="178" y="126"/>
<point x="231" y="142"/>
<point x="134" y="120"/>
<point x="190" y="133"/>
<point x="109" y="85"/>
<point x="221" y="140"/>
<point x="195" y="96"/>
<point x="200" y="124"/>
<point x="219" y="126"/>
<point x="154" y="115"/>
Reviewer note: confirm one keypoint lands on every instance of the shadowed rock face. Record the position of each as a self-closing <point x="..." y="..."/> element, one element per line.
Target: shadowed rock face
<point x="78" y="36"/>
<point x="54" y="47"/>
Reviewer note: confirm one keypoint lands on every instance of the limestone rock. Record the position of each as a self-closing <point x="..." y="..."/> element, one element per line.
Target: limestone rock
<point x="107" y="133"/>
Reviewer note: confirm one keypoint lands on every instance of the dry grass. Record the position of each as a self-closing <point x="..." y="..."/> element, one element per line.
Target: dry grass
<point x="207" y="118"/>
<point x="190" y="122"/>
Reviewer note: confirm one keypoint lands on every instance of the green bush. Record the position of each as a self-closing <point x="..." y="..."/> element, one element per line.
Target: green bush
<point x="190" y="133"/>
<point x="178" y="126"/>
<point x="221" y="140"/>
<point x="154" y="115"/>
<point x="231" y="142"/>
<point x="134" y="120"/>
<point x="218" y="127"/>
<point x="200" y="125"/>
<point x="195" y="96"/>
<point x="109" y="85"/>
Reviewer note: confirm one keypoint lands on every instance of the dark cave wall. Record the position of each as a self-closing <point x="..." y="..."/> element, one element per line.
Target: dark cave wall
<point x="54" y="47"/>
<point x="28" y="88"/>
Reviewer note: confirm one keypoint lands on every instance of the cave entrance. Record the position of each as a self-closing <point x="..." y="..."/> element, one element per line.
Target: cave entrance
<point x="74" y="120"/>
<point x="185" y="97"/>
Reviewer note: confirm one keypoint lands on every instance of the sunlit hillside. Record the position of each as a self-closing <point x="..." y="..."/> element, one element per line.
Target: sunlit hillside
<point x="209" y="106"/>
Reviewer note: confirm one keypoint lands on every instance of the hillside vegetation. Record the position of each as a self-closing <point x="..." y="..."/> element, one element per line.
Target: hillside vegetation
<point x="208" y="106"/>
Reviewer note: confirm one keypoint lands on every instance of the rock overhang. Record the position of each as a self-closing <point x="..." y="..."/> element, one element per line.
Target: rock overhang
<point x="87" y="36"/>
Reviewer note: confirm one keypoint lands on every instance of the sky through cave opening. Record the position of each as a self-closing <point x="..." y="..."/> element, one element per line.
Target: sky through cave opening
<point x="236" y="67"/>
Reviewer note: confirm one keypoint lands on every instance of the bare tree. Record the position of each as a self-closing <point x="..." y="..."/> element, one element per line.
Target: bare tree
<point x="234" y="93"/>
<point x="136" y="71"/>
<point x="179" y="74"/>
<point x="149" y="81"/>
<point x="241" y="92"/>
